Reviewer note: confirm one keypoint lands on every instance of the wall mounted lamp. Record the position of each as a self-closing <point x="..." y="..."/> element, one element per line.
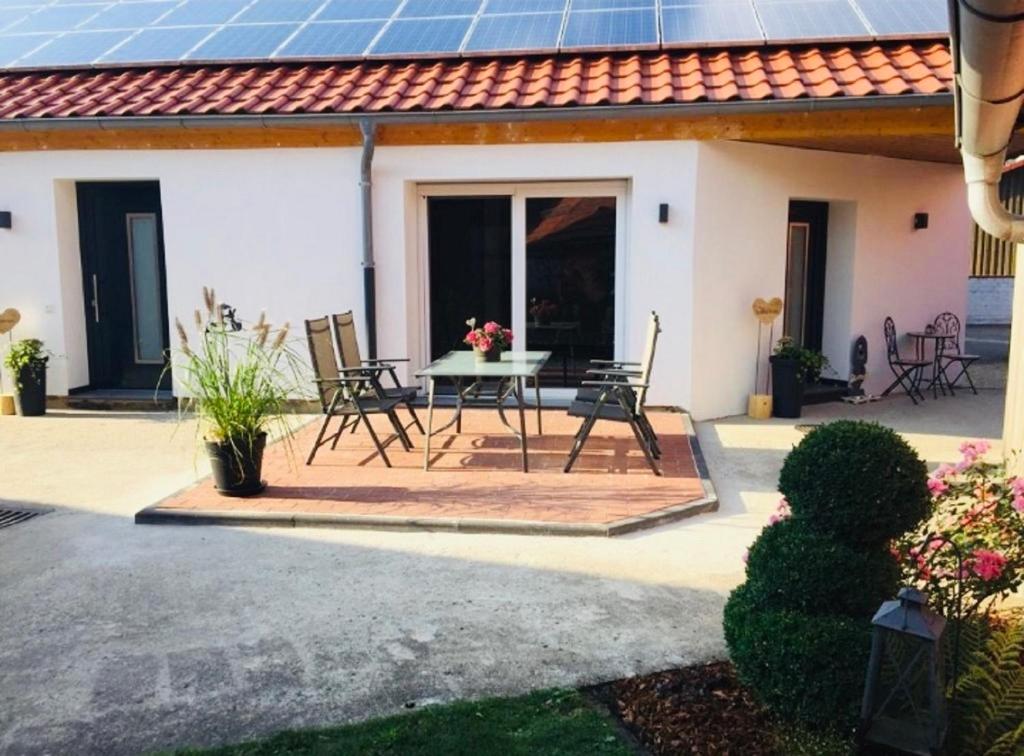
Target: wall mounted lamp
<point x="5" y="218"/>
<point x="663" y="212"/>
<point x="920" y="221"/>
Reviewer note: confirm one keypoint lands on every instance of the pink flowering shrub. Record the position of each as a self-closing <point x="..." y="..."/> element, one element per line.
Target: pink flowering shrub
<point x="979" y="508"/>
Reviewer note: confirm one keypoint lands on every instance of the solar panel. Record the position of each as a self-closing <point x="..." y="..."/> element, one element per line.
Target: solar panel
<point x="161" y="44"/>
<point x="524" y="31"/>
<point x="615" y="28"/>
<point x="410" y="36"/>
<point x="710" y="24"/>
<point x="332" y="39"/>
<point x="250" y="42"/>
<point x="888" y="18"/>
<point x="791" y="20"/>
<point x="45" y="33"/>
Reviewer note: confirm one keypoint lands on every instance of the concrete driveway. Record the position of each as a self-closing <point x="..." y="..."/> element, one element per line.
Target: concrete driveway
<point x="121" y="638"/>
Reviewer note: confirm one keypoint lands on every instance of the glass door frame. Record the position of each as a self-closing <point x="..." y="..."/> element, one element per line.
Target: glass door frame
<point x="518" y="193"/>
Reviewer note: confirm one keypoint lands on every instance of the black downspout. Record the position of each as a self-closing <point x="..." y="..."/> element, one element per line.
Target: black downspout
<point x="369" y="131"/>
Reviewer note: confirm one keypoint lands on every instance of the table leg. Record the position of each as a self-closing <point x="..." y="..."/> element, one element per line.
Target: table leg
<point x="458" y="414"/>
<point x="430" y="423"/>
<point x="520" y="401"/>
<point x="536" y="390"/>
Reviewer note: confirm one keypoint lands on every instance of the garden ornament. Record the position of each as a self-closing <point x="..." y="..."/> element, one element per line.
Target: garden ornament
<point x="759" y="406"/>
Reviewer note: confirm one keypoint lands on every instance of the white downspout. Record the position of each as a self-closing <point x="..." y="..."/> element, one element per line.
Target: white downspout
<point x="988" y="54"/>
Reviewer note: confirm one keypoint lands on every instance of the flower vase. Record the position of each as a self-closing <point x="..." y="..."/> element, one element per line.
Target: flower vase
<point x="491" y="355"/>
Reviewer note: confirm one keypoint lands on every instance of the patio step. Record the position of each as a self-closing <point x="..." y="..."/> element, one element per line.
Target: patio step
<point x="120" y="400"/>
<point x="822" y="393"/>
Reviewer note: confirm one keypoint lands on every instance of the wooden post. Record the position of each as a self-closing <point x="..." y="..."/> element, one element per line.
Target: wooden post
<point x="1013" y="420"/>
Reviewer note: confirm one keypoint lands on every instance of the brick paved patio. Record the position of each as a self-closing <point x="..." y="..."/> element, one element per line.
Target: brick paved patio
<point x="474" y="483"/>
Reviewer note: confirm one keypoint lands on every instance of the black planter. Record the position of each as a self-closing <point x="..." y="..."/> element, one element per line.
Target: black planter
<point x="787" y="387"/>
<point x="30" y="393"/>
<point x="237" y="468"/>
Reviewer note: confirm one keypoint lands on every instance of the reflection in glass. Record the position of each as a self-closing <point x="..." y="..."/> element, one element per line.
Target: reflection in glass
<point x="147" y="318"/>
<point x="796" y="281"/>
<point x="570" y="283"/>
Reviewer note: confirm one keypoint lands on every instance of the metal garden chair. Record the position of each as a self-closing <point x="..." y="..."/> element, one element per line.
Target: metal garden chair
<point x="618" y="395"/>
<point x="948" y="325"/>
<point x="347" y="393"/>
<point x="348" y="345"/>
<point x="909" y="373"/>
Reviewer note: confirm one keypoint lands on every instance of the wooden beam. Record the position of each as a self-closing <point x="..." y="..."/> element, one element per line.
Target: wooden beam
<point x="760" y="127"/>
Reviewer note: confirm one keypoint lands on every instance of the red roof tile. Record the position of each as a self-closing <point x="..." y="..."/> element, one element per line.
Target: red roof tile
<point x="553" y="82"/>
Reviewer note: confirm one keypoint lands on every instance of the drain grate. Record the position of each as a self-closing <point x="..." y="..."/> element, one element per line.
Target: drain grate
<point x="9" y="517"/>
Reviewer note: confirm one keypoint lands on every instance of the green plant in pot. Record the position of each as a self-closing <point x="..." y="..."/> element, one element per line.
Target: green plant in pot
<point x="238" y="382"/>
<point x="26" y="360"/>
<point x="793" y="367"/>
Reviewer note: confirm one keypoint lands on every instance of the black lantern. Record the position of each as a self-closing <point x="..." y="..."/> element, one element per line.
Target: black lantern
<point x="904" y="697"/>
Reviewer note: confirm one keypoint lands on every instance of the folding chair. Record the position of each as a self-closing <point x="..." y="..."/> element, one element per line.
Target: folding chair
<point x="348" y="345"/>
<point x="908" y="372"/>
<point x="619" y="396"/>
<point x="347" y="393"/>
<point x="948" y="325"/>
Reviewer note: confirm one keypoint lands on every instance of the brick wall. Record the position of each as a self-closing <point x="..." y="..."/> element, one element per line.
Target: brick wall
<point x="989" y="301"/>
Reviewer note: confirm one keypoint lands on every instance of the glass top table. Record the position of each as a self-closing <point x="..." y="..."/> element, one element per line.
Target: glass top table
<point x="480" y="383"/>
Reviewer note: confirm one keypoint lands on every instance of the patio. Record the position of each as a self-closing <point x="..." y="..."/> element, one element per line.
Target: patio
<point x="474" y="483"/>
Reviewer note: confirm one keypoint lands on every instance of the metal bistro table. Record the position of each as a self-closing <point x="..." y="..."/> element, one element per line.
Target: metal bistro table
<point x="921" y="338"/>
<point x="479" y="383"/>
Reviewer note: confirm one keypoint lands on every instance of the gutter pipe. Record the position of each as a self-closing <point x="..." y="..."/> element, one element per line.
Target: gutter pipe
<point x="988" y="64"/>
<point x="369" y="132"/>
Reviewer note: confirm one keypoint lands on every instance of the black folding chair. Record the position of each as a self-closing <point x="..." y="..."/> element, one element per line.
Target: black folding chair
<point x="948" y="325"/>
<point x="348" y="346"/>
<point x="620" y="397"/>
<point x="909" y="373"/>
<point x="348" y="393"/>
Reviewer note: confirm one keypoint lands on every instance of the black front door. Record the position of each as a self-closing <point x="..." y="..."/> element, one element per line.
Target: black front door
<point x="806" y="254"/>
<point x="121" y="236"/>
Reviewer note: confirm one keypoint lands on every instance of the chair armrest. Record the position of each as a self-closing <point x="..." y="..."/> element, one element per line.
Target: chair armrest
<point x="340" y="380"/>
<point x="614" y="371"/>
<point x="615" y="384"/>
<point x="392" y="359"/>
<point x="612" y="362"/>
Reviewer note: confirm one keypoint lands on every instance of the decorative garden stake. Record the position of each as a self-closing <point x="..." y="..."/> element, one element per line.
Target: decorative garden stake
<point x="904" y="696"/>
<point x="759" y="405"/>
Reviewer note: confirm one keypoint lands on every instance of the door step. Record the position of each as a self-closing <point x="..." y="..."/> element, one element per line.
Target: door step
<point x="122" y="400"/>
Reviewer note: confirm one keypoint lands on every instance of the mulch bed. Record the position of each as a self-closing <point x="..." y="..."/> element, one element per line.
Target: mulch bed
<point x="696" y="710"/>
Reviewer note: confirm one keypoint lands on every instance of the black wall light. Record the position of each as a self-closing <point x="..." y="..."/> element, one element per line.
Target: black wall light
<point x="920" y="221"/>
<point x="663" y="212"/>
<point x="5" y="218"/>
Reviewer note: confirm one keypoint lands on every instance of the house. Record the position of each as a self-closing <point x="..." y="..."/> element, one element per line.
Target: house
<point x="566" y="190"/>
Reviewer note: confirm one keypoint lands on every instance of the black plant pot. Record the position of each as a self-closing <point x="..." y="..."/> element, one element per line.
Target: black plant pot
<point x="237" y="468"/>
<point x="30" y="393"/>
<point x="787" y="387"/>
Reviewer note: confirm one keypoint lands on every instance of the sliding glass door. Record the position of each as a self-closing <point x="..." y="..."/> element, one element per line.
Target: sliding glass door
<point x="543" y="258"/>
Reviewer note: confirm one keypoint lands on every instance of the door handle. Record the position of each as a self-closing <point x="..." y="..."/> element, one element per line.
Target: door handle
<point x="95" y="299"/>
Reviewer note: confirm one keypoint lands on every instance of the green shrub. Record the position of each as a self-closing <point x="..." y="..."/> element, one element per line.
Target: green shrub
<point x="791" y="567"/>
<point x="858" y="482"/>
<point x="799" y="629"/>
<point x="804" y="667"/>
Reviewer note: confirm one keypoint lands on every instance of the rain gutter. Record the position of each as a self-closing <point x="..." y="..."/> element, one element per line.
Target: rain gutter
<point x="369" y="132"/>
<point x="503" y="115"/>
<point x="988" y="63"/>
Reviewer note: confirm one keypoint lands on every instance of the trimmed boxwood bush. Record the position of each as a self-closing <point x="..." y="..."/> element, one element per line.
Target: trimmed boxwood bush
<point x="859" y="482"/>
<point x="790" y="567"/>
<point x="799" y="629"/>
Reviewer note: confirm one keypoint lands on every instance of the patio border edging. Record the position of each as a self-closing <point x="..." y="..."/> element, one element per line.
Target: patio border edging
<point x="158" y="515"/>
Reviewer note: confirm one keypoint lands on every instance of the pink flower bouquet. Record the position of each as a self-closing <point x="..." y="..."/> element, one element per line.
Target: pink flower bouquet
<point x="489" y="341"/>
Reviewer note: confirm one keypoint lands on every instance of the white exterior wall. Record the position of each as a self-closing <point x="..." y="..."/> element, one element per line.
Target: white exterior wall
<point x="887" y="267"/>
<point x="280" y="230"/>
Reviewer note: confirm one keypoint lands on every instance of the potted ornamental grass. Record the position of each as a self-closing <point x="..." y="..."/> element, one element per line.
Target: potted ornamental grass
<point x="26" y="360"/>
<point x="488" y="341"/>
<point x="238" y="382"/>
<point x="793" y="367"/>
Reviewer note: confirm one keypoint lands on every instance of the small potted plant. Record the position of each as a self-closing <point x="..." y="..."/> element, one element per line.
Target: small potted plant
<point x="26" y="360"/>
<point x="489" y="341"/>
<point x="238" y="382"/>
<point x="793" y="367"/>
<point x="542" y="311"/>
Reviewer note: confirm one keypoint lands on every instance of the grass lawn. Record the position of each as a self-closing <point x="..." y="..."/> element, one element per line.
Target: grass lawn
<point x="546" y="723"/>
